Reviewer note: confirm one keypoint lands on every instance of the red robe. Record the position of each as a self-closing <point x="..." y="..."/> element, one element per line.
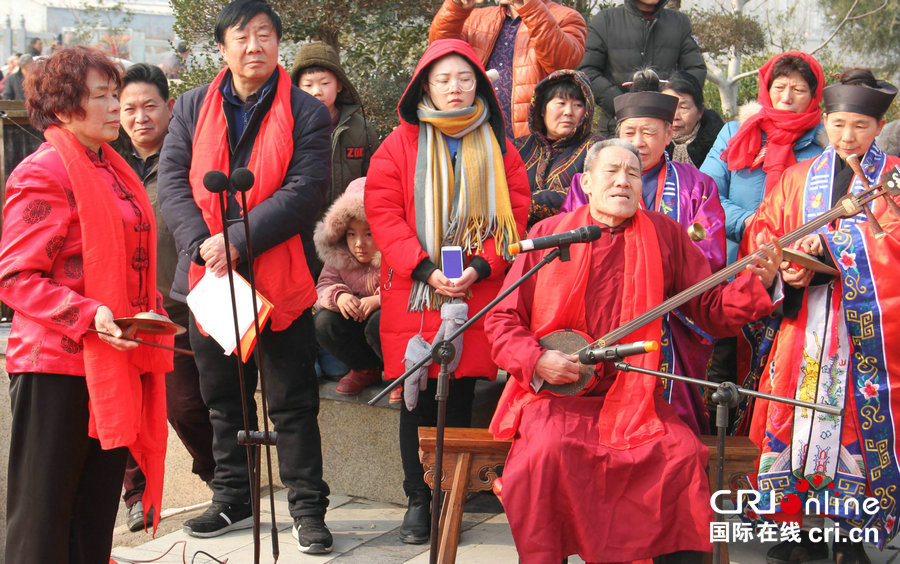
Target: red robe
<point x="835" y="350"/>
<point x="563" y="491"/>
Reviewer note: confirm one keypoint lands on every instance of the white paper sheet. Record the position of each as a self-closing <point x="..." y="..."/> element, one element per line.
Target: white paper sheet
<point x="210" y="302"/>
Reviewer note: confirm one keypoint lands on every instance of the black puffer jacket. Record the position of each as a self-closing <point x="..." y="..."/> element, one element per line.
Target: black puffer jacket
<point x="621" y="40"/>
<point x="291" y="210"/>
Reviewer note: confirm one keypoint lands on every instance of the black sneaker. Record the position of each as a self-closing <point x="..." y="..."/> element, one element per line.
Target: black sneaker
<point x="219" y="519"/>
<point x="313" y="537"/>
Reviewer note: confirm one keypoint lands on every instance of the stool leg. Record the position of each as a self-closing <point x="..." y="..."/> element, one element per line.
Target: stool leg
<point x="452" y="511"/>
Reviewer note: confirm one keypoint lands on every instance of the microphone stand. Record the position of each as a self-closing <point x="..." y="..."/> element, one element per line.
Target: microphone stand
<point x="726" y="396"/>
<point x="267" y="438"/>
<point x="444" y="352"/>
<point x="251" y="440"/>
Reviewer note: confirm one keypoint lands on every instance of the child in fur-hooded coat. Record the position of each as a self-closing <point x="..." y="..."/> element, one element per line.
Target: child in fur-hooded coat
<point x="349" y="304"/>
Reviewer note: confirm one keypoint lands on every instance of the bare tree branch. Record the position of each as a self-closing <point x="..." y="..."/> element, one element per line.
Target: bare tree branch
<point x="738" y="77"/>
<point x="845" y="20"/>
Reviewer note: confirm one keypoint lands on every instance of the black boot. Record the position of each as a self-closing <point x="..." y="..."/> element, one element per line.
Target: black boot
<point x="849" y="552"/>
<point x="416" y="525"/>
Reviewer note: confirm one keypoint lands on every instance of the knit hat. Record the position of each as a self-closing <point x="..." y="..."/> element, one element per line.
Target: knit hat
<point x="321" y="54"/>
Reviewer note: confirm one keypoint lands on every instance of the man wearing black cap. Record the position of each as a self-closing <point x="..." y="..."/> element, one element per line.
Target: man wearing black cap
<point x="691" y="198"/>
<point x="831" y="345"/>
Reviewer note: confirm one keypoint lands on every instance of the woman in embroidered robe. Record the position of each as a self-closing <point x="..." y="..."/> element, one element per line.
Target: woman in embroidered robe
<point x="445" y="176"/>
<point x="78" y="250"/>
<point x="830" y="346"/>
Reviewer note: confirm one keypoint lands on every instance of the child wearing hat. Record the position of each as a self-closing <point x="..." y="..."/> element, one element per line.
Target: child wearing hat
<point x="349" y="305"/>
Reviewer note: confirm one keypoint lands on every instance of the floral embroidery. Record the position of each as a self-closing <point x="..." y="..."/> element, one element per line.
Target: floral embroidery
<point x="36" y="211"/>
<point x="73" y="267"/>
<point x="53" y="246"/>
<point x="67" y="316"/>
<point x="848" y="260"/>
<point x="869" y="390"/>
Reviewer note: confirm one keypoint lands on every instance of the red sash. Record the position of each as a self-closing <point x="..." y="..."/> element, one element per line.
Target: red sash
<point x="628" y="417"/>
<point x="126" y="409"/>
<point x="281" y="273"/>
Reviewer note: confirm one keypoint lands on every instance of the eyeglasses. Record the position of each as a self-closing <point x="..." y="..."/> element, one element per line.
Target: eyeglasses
<point x="446" y="86"/>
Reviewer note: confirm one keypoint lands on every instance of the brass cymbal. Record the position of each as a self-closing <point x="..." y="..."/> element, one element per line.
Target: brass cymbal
<point x="149" y="323"/>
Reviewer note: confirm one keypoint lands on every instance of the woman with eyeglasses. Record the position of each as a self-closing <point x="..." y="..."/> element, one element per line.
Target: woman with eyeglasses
<point x="446" y="176"/>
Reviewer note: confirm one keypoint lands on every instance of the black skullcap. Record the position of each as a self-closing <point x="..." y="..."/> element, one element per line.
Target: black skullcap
<point x="859" y="98"/>
<point x="645" y="104"/>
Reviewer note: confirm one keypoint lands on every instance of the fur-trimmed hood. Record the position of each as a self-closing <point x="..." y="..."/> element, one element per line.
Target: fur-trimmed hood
<point x="329" y="236"/>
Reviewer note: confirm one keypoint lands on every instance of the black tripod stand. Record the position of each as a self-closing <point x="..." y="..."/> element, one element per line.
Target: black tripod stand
<point x="444" y="352"/>
<point x="242" y="180"/>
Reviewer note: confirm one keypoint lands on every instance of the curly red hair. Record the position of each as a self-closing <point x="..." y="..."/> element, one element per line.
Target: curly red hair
<point x="56" y="86"/>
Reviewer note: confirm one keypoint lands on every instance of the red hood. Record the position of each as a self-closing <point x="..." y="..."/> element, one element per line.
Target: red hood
<point x="413" y="93"/>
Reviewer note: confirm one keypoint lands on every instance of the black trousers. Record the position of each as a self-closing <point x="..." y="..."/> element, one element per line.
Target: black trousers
<point x="188" y="416"/>
<point x="356" y="344"/>
<point x="459" y="414"/>
<point x="292" y="391"/>
<point x="63" y="489"/>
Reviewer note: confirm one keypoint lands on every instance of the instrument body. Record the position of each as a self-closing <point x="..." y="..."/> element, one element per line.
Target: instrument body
<point x="570" y="342"/>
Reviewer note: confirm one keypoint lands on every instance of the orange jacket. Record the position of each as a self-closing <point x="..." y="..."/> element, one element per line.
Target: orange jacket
<point x="550" y="38"/>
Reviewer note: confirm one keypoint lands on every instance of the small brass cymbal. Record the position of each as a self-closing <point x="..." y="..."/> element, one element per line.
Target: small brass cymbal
<point x="150" y="323"/>
<point x="696" y="232"/>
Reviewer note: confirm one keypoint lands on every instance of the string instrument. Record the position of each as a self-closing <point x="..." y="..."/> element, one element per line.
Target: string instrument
<point x="848" y="206"/>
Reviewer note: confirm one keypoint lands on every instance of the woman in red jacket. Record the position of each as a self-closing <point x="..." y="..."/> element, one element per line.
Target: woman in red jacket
<point x="445" y="177"/>
<point x="78" y="250"/>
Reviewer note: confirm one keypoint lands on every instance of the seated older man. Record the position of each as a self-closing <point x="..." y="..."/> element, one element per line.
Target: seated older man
<point x="691" y="198"/>
<point x="573" y="456"/>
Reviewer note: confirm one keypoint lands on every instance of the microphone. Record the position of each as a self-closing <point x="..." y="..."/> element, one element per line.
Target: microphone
<point x="584" y="234"/>
<point x="242" y="179"/>
<point x="593" y="355"/>
<point x="215" y="181"/>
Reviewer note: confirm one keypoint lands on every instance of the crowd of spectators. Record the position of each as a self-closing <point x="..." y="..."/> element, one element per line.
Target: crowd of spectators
<point x="501" y="134"/>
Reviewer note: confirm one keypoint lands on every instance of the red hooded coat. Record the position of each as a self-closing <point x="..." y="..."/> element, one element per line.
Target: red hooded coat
<point x="390" y="209"/>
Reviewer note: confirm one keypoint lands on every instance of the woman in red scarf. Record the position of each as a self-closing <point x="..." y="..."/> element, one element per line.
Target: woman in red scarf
<point x="750" y="154"/>
<point x="78" y="250"/>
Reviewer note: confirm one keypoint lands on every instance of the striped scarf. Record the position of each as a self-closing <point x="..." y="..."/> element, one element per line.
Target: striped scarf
<point x="461" y="204"/>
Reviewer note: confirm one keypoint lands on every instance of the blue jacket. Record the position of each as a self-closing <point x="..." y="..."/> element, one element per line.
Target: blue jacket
<point x="290" y="210"/>
<point x="741" y="191"/>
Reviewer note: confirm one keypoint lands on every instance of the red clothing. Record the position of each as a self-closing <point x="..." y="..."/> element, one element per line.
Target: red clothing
<point x="41" y="274"/>
<point x="836" y="350"/>
<point x="550" y="38"/>
<point x="281" y="272"/>
<point x="624" y="514"/>
<point x="390" y="209"/>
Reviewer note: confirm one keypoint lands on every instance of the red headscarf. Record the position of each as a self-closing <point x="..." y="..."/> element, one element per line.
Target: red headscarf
<point x="782" y="127"/>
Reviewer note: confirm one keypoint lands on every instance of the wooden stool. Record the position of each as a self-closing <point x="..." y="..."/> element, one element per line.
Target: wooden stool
<point x="472" y="457"/>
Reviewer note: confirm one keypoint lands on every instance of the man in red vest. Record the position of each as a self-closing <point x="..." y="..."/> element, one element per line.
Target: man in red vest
<point x="251" y="116"/>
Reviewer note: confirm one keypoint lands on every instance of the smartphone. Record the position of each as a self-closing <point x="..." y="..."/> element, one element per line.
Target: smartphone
<point x="452" y="262"/>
